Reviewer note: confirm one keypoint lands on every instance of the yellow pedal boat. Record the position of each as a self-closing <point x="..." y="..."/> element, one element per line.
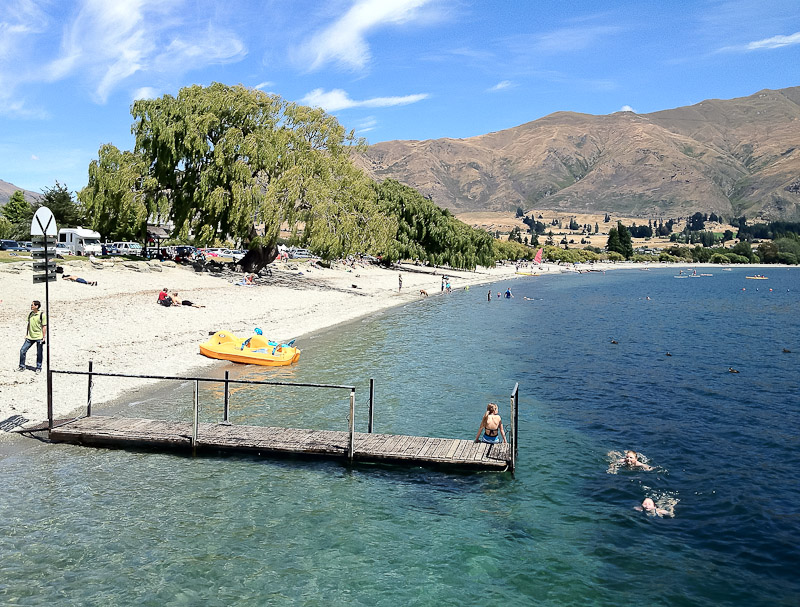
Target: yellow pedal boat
<point x="255" y="350"/>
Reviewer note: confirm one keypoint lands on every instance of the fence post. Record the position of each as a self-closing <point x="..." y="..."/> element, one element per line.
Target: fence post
<point x="196" y="416"/>
<point x="225" y="408"/>
<point x="371" y="402"/>
<point x="89" y="395"/>
<point x="351" y="450"/>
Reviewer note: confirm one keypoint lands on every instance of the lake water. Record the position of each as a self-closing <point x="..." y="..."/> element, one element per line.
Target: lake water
<point x="109" y="527"/>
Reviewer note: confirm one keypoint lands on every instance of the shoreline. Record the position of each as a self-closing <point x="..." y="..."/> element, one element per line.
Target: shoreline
<point x="119" y="326"/>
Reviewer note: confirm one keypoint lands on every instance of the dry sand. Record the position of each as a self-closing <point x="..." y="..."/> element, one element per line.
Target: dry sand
<point x="119" y="326"/>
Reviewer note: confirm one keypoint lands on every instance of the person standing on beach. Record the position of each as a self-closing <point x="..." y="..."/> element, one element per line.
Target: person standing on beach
<point x="36" y="334"/>
<point x="399" y="282"/>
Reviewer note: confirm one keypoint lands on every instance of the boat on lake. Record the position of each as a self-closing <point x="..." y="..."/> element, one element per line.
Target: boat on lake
<point x="255" y="350"/>
<point x="757" y="277"/>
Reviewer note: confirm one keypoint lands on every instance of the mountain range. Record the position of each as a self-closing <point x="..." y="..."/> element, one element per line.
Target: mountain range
<point x="8" y="189"/>
<point x="731" y="157"/>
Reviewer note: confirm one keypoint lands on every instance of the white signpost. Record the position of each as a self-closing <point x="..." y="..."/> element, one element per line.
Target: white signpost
<point x="44" y="231"/>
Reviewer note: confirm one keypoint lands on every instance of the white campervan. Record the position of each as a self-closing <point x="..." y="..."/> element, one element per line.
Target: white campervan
<point x="80" y="240"/>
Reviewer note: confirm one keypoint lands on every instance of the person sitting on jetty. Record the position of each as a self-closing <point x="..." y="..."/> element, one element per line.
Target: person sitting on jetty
<point x="491" y="424"/>
<point x="630" y="460"/>
<point x="649" y="507"/>
<point x="83" y="281"/>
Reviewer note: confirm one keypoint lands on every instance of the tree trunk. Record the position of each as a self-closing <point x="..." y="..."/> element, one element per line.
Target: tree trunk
<point x="258" y="258"/>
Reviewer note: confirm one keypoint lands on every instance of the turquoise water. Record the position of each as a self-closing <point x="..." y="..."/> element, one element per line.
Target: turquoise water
<point x="107" y="527"/>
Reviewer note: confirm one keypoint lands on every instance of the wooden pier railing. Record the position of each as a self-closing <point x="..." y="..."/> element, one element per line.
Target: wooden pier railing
<point x="224" y="436"/>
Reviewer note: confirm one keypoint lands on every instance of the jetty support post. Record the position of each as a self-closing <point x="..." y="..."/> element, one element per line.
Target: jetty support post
<point x="196" y="414"/>
<point x="49" y="397"/>
<point x="227" y="401"/>
<point x="371" y="403"/>
<point x="351" y="447"/>
<point x="515" y="425"/>
<point x="89" y="393"/>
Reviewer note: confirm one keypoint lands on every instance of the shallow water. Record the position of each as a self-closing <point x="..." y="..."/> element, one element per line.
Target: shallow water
<point x="100" y="527"/>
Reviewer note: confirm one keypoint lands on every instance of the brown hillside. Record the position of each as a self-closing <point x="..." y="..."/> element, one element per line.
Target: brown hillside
<point x="730" y="157"/>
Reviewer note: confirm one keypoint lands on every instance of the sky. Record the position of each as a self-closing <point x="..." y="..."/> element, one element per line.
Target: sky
<point x="388" y="69"/>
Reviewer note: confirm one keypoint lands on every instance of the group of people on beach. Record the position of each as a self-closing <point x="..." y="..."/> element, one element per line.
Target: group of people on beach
<point x="630" y="460"/>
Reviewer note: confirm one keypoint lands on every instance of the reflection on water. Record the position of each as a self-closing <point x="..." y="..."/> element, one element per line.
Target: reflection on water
<point x="88" y="526"/>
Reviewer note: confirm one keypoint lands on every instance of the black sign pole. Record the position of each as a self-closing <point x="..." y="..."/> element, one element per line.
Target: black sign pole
<point x="47" y="313"/>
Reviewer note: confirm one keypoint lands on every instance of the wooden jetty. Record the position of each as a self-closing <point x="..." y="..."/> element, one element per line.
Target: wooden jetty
<point x="351" y="446"/>
<point x="122" y="432"/>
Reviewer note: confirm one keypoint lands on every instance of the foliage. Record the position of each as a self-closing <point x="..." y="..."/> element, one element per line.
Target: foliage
<point x="614" y="256"/>
<point x="67" y="212"/>
<point x="224" y="161"/>
<point x="719" y="258"/>
<point x="510" y="249"/>
<point x="422" y="230"/>
<point x="619" y="241"/>
<point x="19" y="213"/>
<point x="696" y="222"/>
<point x="768" y="231"/>
<point x="113" y="199"/>
<point x="6" y="228"/>
<point x="743" y="248"/>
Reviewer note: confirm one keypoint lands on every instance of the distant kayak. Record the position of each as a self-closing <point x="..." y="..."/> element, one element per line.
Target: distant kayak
<point x="757" y="277"/>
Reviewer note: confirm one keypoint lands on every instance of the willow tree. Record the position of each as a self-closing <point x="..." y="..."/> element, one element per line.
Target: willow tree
<point x="233" y="161"/>
<point x="113" y="201"/>
<point x="430" y="233"/>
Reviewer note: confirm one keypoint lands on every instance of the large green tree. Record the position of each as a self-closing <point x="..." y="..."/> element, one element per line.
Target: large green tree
<point x="233" y="162"/>
<point x="429" y="233"/>
<point x="19" y="213"/>
<point x="67" y="212"/>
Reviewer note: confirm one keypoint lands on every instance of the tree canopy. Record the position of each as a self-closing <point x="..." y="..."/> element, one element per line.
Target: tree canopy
<point x="429" y="233"/>
<point x="229" y="161"/>
<point x="18" y="212"/>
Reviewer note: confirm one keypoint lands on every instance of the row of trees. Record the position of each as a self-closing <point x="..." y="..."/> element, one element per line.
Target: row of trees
<point x="17" y="214"/>
<point x="231" y="162"/>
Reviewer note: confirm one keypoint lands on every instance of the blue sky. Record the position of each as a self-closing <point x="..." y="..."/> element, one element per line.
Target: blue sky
<point x="389" y="69"/>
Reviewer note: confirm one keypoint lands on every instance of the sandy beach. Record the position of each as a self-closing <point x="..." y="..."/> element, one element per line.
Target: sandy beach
<point x="119" y="326"/>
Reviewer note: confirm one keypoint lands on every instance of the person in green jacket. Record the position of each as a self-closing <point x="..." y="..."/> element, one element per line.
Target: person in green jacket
<point x="36" y="334"/>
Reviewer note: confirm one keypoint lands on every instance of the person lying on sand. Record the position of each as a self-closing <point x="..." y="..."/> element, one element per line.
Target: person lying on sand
<point x="176" y="301"/>
<point x="83" y="281"/>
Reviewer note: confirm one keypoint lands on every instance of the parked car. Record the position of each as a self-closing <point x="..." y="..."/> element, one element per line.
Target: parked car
<point x="232" y="253"/>
<point x="297" y="253"/>
<point x="128" y="248"/>
<point x="27" y="245"/>
<point x="10" y="245"/>
<point x="62" y="248"/>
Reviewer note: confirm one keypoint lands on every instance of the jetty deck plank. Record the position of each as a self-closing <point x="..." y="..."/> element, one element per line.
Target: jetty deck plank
<point x="124" y="432"/>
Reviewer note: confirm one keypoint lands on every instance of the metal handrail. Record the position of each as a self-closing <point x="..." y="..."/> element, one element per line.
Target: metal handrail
<point x="196" y="404"/>
<point x="514" y="425"/>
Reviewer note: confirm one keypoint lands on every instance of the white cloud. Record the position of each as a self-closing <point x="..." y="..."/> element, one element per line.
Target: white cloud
<point x="367" y="124"/>
<point x="774" y="42"/>
<point x="337" y="99"/>
<point x="504" y="84"/>
<point x="765" y="44"/>
<point x="146" y="92"/>
<point x="34" y="157"/>
<point x="261" y="85"/>
<point x="573" y="38"/>
<point x="627" y="108"/>
<point x="108" y="42"/>
<point x="344" y="41"/>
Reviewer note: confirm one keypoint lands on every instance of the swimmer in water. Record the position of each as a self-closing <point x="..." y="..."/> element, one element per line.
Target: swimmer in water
<point x="649" y="506"/>
<point x="629" y="460"/>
